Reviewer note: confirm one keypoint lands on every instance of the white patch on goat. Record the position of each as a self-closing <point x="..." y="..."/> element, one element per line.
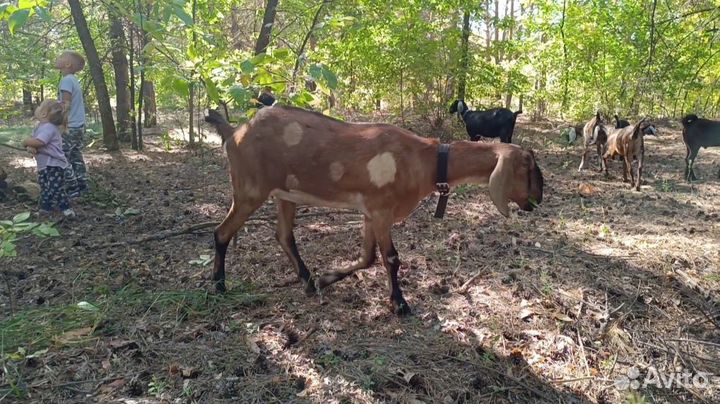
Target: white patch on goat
<point x="292" y="182"/>
<point x="292" y="134"/>
<point x="393" y="259"/>
<point x="336" y="171"/>
<point x="382" y="169"/>
<point x="346" y="201"/>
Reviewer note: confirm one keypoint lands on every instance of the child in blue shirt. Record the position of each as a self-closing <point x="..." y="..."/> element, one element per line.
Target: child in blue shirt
<point x="71" y="96"/>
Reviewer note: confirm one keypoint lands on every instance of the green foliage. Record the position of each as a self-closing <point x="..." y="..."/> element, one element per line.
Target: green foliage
<point x="10" y="229"/>
<point x="634" y="57"/>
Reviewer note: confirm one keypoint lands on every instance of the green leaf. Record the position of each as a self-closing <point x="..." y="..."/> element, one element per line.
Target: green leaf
<point x="180" y="85"/>
<point x="240" y="95"/>
<point x="17" y="20"/>
<point x="212" y="90"/>
<point x="247" y="67"/>
<point x="47" y="230"/>
<point x="183" y="16"/>
<point x="330" y="78"/>
<point x="281" y="53"/>
<point x="43" y="14"/>
<point x="316" y="72"/>
<point x="7" y="223"/>
<point x="7" y="249"/>
<point x="21" y="217"/>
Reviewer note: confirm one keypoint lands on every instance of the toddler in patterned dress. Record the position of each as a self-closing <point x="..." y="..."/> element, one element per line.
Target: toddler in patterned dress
<point x="46" y="145"/>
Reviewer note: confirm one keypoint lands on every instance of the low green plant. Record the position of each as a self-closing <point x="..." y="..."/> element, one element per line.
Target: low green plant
<point x="11" y="229"/>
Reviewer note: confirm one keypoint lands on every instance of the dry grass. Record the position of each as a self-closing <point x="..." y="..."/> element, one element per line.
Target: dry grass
<point x="549" y="306"/>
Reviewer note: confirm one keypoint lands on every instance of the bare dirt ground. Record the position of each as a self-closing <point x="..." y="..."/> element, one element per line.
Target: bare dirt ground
<point x="560" y="305"/>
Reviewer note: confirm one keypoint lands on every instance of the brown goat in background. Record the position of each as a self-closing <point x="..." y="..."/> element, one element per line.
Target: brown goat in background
<point x="594" y="133"/>
<point x="303" y="157"/>
<point x="629" y="143"/>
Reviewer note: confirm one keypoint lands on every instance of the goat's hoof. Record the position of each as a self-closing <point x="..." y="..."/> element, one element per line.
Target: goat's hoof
<point x="400" y="307"/>
<point x="310" y="287"/>
<point x="220" y="286"/>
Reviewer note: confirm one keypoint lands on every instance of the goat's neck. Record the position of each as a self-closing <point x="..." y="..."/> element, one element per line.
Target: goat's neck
<point x="471" y="162"/>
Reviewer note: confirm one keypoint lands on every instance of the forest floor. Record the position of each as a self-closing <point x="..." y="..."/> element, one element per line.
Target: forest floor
<point x="596" y="299"/>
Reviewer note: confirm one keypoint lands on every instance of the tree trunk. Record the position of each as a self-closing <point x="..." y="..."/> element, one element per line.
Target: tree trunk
<point x="462" y="79"/>
<point x="96" y="72"/>
<point x="487" y="30"/>
<point x="510" y="56"/>
<point x="150" y="105"/>
<point x="122" y="78"/>
<point x="268" y="21"/>
<point x="27" y="100"/>
<point x="565" y="73"/>
<point x="191" y="106"/>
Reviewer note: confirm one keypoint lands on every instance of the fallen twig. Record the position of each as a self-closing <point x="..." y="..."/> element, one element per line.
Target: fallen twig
<point x="200" y="226"/>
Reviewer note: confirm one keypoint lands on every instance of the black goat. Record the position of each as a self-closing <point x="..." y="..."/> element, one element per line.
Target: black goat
<point x="697" y="133"/>
<point x="647" y="128"/>
<point x="495" y="122"/>
<point x="621" y="123"/>
<point x="265" y="99"/>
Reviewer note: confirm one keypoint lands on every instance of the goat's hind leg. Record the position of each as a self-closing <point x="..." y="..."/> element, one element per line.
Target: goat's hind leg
<point x="236" y="217"/>
<point x="286" y="238"/>
<point x="367" y="258"/>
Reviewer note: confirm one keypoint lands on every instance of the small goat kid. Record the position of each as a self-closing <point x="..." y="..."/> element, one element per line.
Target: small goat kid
<point x="594" y="133"/>
<point x="697" y="133"/>
<point x="303" y="157"/>
<point x="627" y="142"/>
<point x="496" y="122"/>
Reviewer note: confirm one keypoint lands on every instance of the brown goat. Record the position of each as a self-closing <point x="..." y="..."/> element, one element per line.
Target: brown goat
<point x="303" y="157"/>
<point x="629" y="143"/>
<point x="594" y="133"/>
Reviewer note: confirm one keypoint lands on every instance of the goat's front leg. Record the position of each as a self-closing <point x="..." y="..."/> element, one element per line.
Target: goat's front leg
<point x="392" y="264"/>
<point x="286" y="238"/>
<point x="236" y="217"/>
<point x="582" y="160"/>
<point x="366" y="259"/>
<point x="601" y="161"/>
<point x="689" y="162"/>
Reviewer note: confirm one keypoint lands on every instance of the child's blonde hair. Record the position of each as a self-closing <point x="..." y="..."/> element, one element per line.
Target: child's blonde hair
<point x="74" y="59"/>
<point x="50" y="110"/>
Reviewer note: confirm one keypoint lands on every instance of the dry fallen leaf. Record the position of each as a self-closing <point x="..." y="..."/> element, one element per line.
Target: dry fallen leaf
<point x="587" y="190"/>
<point x="74" y="336"/>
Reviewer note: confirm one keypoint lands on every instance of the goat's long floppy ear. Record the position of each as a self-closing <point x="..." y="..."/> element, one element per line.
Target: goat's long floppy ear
<point x="499" y="184"/>
<point x="636" y="128"/>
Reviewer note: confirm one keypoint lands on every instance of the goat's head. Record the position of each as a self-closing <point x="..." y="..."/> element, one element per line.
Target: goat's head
<point x="518" y="180"/>
<point x="649" y="129"/>
<point x="689" y="119"/>
<point x="458" y="106"/>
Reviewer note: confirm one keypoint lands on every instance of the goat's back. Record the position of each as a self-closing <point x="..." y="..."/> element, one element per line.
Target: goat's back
<point x="700" y="132"/>
<point x="286" y="148"/>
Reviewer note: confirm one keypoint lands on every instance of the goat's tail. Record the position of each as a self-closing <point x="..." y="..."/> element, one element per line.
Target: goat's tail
<point x="223" y="128"/>
<point x="518" y="112"/>
<point x="689" y="119"/>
